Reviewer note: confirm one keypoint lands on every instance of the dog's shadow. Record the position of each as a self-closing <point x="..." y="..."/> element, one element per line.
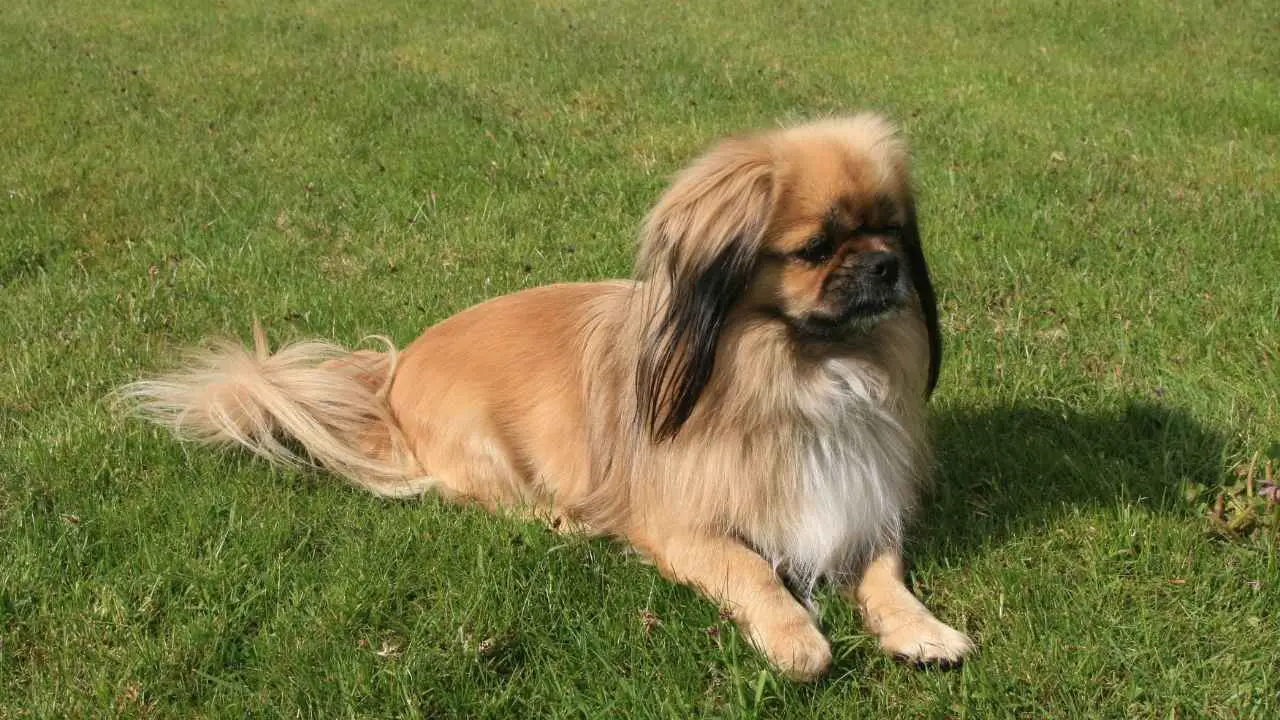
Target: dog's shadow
<point x="1012" y="469"/>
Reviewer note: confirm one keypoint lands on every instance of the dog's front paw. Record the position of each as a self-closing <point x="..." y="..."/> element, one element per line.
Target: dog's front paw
<point x="925" y="640"/>
<point x="797" y="648"/>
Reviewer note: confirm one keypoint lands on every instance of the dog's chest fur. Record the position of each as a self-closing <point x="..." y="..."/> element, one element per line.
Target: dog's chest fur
<point x="854" y="479"/>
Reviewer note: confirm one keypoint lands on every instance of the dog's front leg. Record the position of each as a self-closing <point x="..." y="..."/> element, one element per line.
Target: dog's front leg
<point x="745" y="585"/>
<point x="904" y="625"/>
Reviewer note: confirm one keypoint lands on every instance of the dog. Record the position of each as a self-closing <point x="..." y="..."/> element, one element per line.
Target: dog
<point x="748" y="412"/>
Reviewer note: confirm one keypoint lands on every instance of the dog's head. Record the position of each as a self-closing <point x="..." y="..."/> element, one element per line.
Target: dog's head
<point x="813" y="226"/>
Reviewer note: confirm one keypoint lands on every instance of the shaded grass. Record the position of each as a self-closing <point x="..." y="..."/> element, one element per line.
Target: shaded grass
<point x="1099" y="187"/>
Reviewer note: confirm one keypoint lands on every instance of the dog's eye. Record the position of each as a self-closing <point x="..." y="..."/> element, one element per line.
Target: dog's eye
<point x="819" y="249"/>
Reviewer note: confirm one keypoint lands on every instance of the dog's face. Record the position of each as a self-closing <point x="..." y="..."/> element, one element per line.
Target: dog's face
<point x="832" y="262"/>
<point x="812" y="226"/>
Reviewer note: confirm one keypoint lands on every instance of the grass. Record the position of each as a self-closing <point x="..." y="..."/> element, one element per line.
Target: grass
<point x="1099" y="190"/>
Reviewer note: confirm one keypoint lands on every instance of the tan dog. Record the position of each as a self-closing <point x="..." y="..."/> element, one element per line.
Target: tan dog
<point x="748" y="413"/>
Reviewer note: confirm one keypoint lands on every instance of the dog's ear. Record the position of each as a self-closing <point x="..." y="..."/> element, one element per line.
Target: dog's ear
<point x="697" y="253"/>
<point x="924" y="291"/>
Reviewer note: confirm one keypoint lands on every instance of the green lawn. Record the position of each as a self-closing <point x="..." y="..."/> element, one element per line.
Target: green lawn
<point x="1099" y="188"/>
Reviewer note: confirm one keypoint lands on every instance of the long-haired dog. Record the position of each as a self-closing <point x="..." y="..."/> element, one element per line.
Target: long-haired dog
<point x="748" y="413"/>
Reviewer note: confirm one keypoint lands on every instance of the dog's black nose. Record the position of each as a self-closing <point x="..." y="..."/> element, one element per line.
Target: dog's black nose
<point x="882" y="267"/>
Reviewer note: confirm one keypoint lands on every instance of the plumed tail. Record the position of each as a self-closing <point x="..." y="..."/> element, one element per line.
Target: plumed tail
<point x="330" y="401"/>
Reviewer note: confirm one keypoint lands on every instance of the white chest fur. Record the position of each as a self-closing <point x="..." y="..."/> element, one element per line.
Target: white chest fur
<point x="854" y="480"/>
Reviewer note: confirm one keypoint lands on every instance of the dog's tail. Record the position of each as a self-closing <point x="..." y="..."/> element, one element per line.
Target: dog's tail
<point x="330" y="401"/>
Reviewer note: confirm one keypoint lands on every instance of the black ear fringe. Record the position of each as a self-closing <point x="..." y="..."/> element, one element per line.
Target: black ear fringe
<point x="677" y="360"/>
<point x="924" y="291"/>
